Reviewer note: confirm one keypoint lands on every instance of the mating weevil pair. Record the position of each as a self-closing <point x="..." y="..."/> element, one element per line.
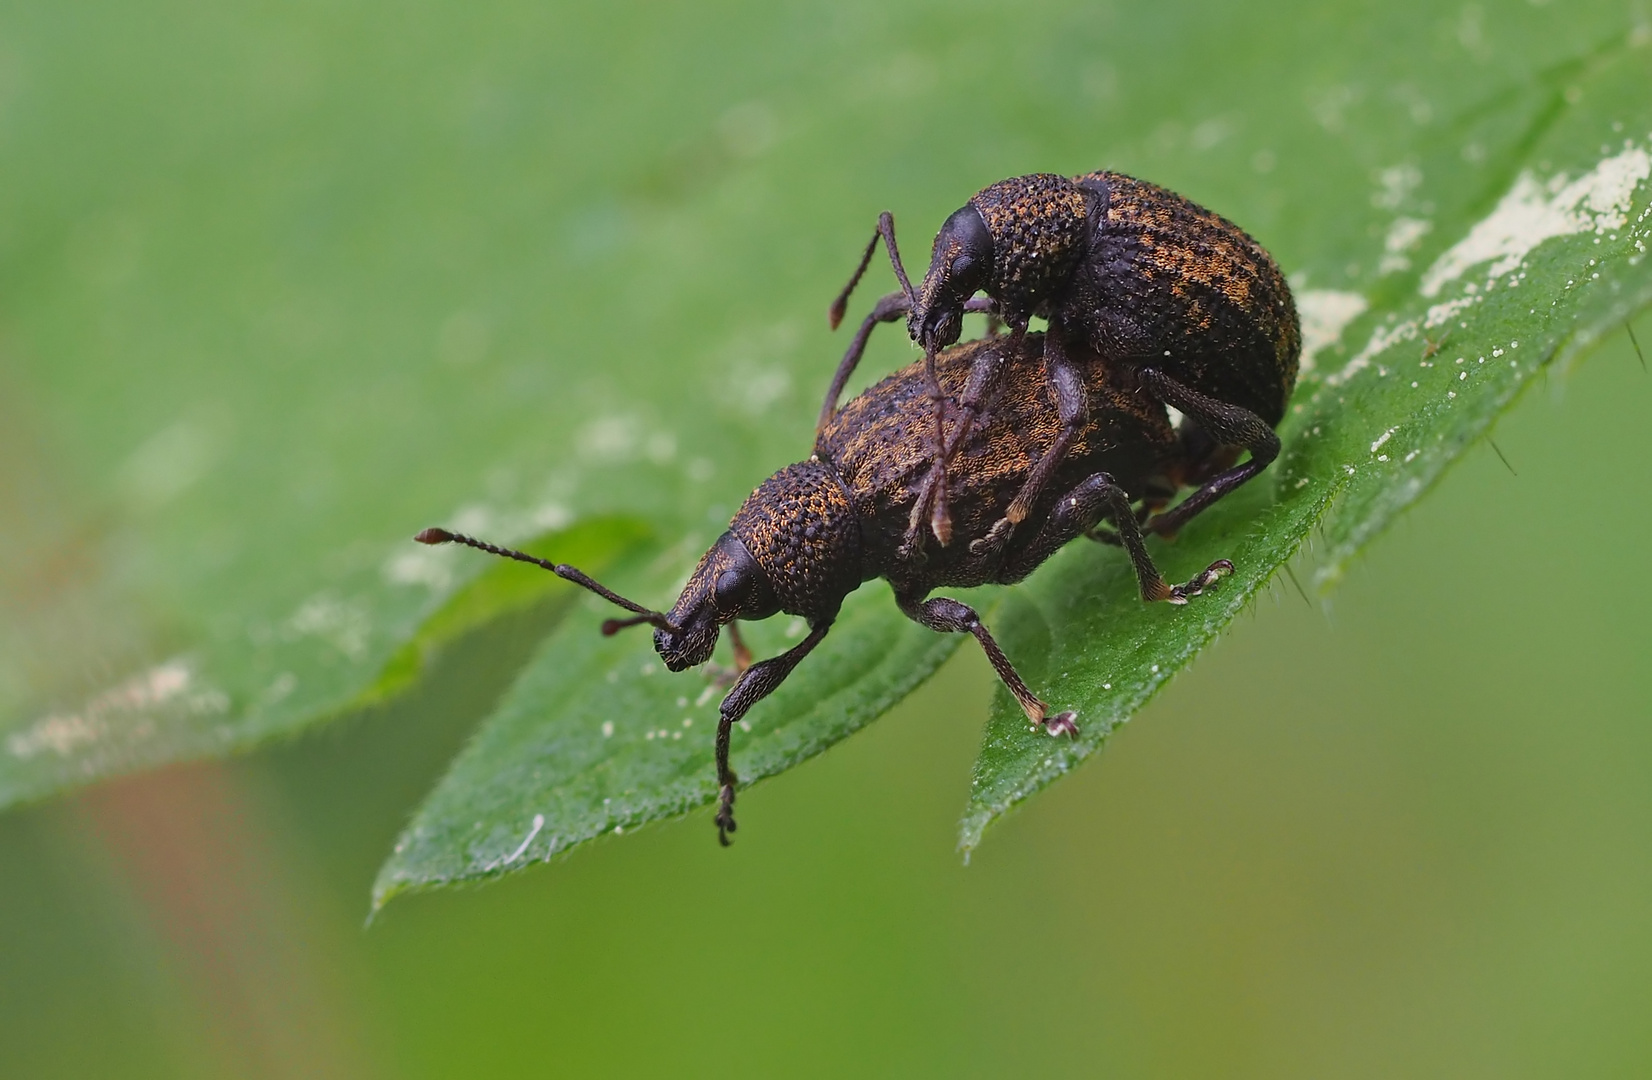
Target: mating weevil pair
<point x="1066" y="461"/>
<point x="1175" y="297"/>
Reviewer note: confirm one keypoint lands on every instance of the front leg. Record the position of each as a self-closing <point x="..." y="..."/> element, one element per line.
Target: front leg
<point x="723" y="677"/>
<point x="1066" y="382"/>
<point x="755" y="683"/>
<point x="1229" y="425"/>
<point x="888" y="309"/>
<point x="985" y="374"/>
<point x="948" y="616"/>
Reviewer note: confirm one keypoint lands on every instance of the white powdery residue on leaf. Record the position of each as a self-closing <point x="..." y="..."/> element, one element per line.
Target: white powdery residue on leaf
<point x="610" y="439"/>
<point x="1440" y="314"/>
<point x="761" y="387"/>
<point x="1533" y="212"/>
<point x="342" y="624"/>
<point x="65" y="733"/>
<point x="1395" y="185"/>
<point x="1384" y="437"/>
<point x="1382" y="339"/>
<point x="421" y="564"/>
<point x="661" y="447"/>
<point x="550" y="516"/>
<point x="1403" y="235"/>
<point x="167" y="464"/>
<point x="474" y="518"/>
<point x="279" y="689"/>
<point x="1325" y="313"/>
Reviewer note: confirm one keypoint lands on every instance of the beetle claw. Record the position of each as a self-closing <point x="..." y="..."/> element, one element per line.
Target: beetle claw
<point x="995" y="539"/>
<point x="1062" y="723"/>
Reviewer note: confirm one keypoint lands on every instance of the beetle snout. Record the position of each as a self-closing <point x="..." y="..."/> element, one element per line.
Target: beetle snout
<point x="939" y="327"/>
<point x="688" y="647"/>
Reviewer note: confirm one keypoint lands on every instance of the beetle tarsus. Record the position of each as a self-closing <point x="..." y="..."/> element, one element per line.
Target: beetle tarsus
<point x="1206" y="579"/>
<point x="725" y="814"/>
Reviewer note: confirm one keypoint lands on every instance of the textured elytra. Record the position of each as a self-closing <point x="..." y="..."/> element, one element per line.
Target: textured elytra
<point x="881" y="444"/>
<point x="1168" y="283"/>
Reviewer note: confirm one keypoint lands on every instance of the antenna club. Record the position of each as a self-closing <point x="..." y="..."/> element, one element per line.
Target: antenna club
<point x="435" y="536"/>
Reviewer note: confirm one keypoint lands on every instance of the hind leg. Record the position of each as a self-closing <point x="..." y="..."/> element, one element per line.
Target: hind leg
<point x="1099" y="499"/>
<point x="1229" y="425"/>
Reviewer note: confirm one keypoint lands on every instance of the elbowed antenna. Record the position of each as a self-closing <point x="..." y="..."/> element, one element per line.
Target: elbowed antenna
<point x="562" y="570"/>
<point x="886" y="229"/>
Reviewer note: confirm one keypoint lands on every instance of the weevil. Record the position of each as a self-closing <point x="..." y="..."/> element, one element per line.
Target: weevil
<point x="815" y="531"/>
<point x="1179" y="297"/>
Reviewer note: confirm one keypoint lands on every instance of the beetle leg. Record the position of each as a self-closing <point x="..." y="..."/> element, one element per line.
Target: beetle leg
<point x="984" y="376"/>
<point x="940" y="517"/>
<point x="1229" y="425"/>
<point x="948" y="616"/>
<point x="755" y="683"/>
<point x="888" y="309"/>
<point x="1078" y="512"/>
<point x="721" y="676"/>
<point x="1066" y="381"/>
<point x="742" y="654"/>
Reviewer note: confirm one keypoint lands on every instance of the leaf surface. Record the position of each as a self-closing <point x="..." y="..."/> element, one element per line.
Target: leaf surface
<point x="278" y="289"/>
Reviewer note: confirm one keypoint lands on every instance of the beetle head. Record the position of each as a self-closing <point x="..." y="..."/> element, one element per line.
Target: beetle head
<point x="1018" y="240"/>
<point x="726" y="585"/>
<point x="794" y="546"/>
<point x="959" y="267"/>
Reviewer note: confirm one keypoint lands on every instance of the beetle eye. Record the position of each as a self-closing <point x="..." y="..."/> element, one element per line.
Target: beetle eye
<point x="961" y="264"/>
<point x="730" y="590"/>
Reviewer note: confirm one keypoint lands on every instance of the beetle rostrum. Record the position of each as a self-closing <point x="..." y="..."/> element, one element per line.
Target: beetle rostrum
<point x="1150" y="282"/>
<point x="814" y="531"/>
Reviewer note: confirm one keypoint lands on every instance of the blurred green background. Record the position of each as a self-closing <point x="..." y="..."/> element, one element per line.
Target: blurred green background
<point x="1403" y="833"/>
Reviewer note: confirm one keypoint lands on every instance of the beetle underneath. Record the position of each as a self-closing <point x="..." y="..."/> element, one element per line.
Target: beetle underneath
<point x="815" y="531"/>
